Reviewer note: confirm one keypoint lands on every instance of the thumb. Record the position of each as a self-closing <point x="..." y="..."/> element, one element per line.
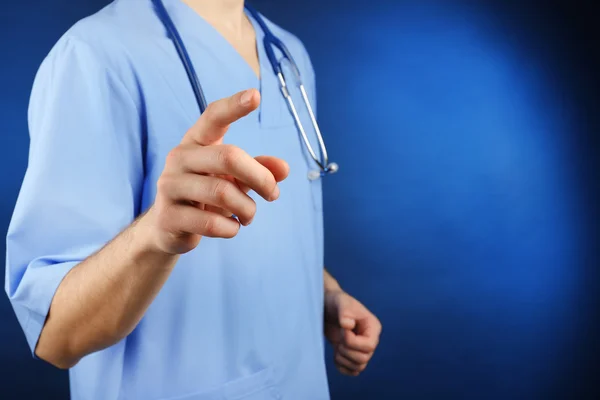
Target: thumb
<point x="214" y="122"/>
<point x="347" y="323"/>
<point x="339" y="310"/>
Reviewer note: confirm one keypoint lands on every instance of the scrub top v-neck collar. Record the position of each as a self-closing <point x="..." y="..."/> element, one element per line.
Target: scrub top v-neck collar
<point x="194" y="28"/>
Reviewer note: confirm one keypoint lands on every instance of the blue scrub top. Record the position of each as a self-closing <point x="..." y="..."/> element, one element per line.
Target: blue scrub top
<point x="237" y="319"/>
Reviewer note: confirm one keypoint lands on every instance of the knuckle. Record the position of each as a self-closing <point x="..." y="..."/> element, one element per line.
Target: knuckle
<point x="230" y="155"/>
<point x="164" y="183"/>
<point x="362" y="358"/>
<point x="175" y="156"/>
<point x="222" y="190"/>
<point x="210" y="113"/>
<point x="375" y="342"/>
<point x="209" y="225"/>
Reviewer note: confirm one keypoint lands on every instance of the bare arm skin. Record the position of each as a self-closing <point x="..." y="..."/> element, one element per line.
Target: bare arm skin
<point x="204" y="182"/>
<point x="103" y="298"/>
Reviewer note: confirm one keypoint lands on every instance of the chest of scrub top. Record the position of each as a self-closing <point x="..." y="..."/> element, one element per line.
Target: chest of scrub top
<point x="171" y="110"/>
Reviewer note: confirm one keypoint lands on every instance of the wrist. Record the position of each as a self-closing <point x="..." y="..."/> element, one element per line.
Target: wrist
<point x="330" y="284"/>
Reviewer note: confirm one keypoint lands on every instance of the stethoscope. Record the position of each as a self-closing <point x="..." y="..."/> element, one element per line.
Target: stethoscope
<point x="270" y="41"/>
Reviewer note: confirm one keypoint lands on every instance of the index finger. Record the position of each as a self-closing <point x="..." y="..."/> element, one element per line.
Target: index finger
<point x="214" y="122"/>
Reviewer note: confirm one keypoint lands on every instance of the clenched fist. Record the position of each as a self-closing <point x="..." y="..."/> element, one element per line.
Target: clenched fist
<point x="352" y="330"/>
<point x="205" y="182"/>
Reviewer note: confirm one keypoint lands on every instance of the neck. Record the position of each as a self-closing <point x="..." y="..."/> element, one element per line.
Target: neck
<point x="225" y="14"/>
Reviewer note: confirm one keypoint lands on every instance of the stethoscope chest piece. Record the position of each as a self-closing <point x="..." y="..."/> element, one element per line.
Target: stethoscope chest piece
<point x="315" y="174"/>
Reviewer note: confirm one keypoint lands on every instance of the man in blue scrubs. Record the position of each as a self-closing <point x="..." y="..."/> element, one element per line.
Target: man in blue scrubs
<point x="125" y="262"/>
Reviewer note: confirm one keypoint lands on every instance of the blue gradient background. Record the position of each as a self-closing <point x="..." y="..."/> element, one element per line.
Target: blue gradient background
<point x="465" y="212"/>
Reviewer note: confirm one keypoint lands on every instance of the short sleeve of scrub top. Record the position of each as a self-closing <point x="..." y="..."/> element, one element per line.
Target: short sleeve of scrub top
<point x="239" y="318"/>
<point x="82" y="184"/>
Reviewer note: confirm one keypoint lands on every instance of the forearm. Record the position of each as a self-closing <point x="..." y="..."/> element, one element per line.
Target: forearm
<point x="103" y="298"/>
<point x="330" y="284"/>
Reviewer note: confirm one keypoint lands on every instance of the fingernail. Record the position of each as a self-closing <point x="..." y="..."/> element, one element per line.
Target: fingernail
<point x="246" y="97"/>
<point x="275" y="193"/>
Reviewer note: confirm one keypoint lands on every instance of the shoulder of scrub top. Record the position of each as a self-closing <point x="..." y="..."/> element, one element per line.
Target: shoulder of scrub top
<point x="107" y="40"/>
